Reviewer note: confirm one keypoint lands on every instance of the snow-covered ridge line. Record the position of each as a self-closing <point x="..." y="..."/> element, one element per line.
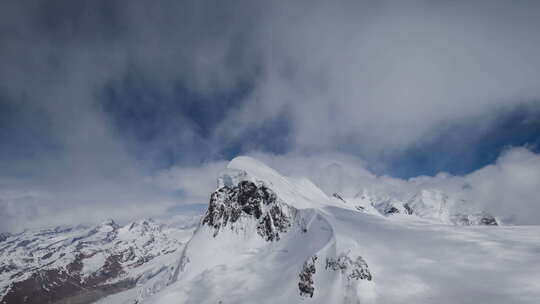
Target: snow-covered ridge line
<point x="259" y="218"/>
<point x="428" y="204"/>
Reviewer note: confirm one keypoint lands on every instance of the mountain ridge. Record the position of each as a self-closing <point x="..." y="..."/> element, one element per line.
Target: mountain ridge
<point x="78" y="262"/>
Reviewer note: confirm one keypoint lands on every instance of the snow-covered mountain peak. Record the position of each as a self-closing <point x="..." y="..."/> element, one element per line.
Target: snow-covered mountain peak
<point x="254" y="168"/>
<point x="258" y="219"/>
<point x="143" y="226"/>
<point x="252" y="197"/>
<point x="299" y="193"/>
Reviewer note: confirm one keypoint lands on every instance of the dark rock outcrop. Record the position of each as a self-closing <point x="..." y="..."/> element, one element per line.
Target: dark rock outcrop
<point x="248" y="200"/>
<point x="489" y="220"/>
<point x="408" y="209"/>
<point x="391" y="210"/>
<point x="482" y="218"/>
<point x="352" y="269"/>
<point x="339" y="197"/>
<point x="305" y="285"/>
<point x="356" y="269"/>
<point x="4" y="236"/>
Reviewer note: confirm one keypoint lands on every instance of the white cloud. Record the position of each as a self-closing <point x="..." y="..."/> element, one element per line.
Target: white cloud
<point x="510" y="186"/>
<point x="389" y="75"/>
<point x="362" y="76"/>
<point x="195" y="183"/>
<point x="36" y="205"/>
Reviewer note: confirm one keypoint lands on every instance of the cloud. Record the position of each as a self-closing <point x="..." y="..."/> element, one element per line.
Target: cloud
<point x="26" y="206"/>
<point x="510" y="186"/>
<point x="375" y="76"/>
<point x="363" y="76"/>
<point x="108" y="94"/>
<point x="195" y="183"/>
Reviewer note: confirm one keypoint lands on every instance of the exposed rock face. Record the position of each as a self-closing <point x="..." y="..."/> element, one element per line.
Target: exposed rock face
<point x="488" y="220"/>
<point x="79" y="264"/>
<point x="248" y="200"/>
<point x="481" y="218"/>
<point x="306" y="277"/>
<point x="4" y="236"/>
<point x="352" y="269"/>
<point x="397" y="207"/>
<point x="356" y="269"/>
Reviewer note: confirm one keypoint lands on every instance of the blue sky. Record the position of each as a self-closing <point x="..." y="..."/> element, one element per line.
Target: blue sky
<point x="98" y="98"/>
<point x="456" y="153"/>
<point x="454" y="150"/>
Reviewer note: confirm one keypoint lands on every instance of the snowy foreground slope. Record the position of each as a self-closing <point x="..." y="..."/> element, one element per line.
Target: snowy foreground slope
<point x="266" y="238"/>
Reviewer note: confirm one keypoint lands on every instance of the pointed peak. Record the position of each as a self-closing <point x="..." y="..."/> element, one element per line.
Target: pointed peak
<point x="253" y="167"/>
<point x="245" y="168"/>
<point x="144" y="224"/>
<point x="109" y="223"/>
<point x="297" y="192"/>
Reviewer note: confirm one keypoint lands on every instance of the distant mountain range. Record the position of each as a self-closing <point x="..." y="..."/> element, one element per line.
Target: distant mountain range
<point x="81" y="264"/>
